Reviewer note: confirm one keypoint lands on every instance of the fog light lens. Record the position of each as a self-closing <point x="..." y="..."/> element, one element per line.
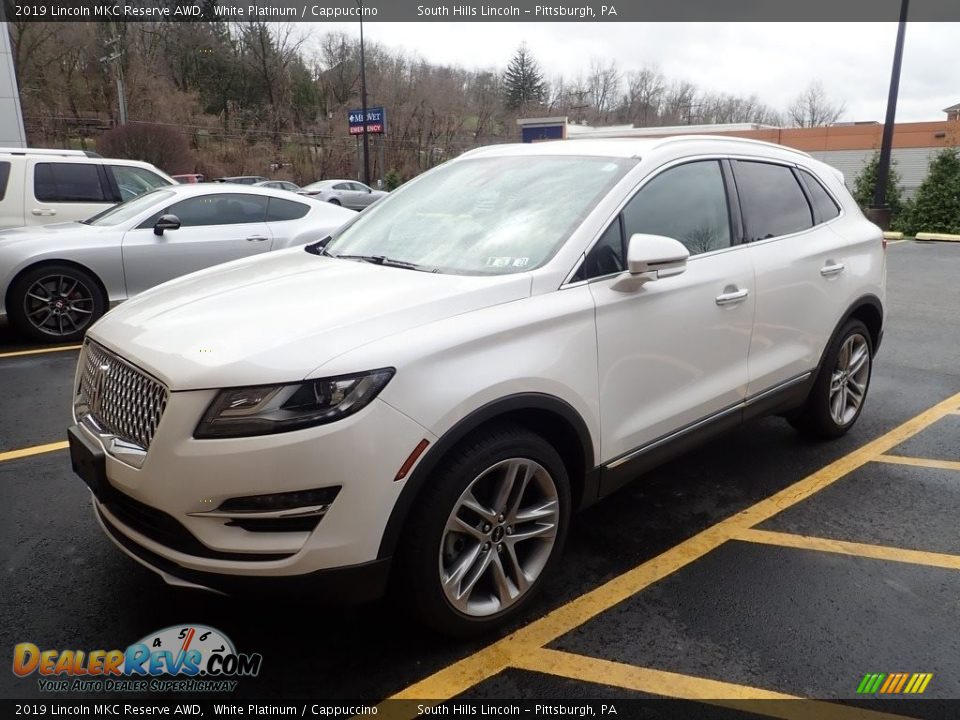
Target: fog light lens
<point x="280" y="501"/>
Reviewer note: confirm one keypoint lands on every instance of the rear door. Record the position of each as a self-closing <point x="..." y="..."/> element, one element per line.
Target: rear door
<point x="63" y="190"/>
<point x="214" y="229"/>
<point x="803" y="269"/>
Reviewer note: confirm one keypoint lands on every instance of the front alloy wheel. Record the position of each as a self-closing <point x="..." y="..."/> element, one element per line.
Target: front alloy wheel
<point x="499" y="537"/>
<point x="56" y="302"/>
<point x="487" y="527"/>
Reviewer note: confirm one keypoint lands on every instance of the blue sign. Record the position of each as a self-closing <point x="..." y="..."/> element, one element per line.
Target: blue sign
<point x="376" y="121"/>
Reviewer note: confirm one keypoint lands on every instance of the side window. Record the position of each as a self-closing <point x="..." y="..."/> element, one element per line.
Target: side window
<point x="134" y="181"/>
<point x="688" y="203"/>
<point x="4" y="177"/>
<point x="359" y="187"/>
<point x="342" y="186"/>
<point x="280" y="210"/>
<point x="771" y="199"/>
<point x="824" y="206"/>
<point x="232" y="209"/>
<point x="68" y="182"/>
<point x="605" y="257"/>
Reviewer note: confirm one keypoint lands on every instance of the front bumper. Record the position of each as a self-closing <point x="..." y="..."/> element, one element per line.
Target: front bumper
<point x="156" y="513"/>
<point x="350" y="585"/>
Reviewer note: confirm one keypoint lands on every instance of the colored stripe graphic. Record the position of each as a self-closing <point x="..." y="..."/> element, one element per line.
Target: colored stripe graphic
<point x="894" y="683"/>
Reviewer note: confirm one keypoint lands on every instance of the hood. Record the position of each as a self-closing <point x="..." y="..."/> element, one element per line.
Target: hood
<point x="36" y="232"/>
<point x="279" y="317"/>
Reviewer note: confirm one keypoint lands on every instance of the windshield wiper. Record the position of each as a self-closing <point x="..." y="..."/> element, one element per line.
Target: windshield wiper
<point x="388" y="262"/>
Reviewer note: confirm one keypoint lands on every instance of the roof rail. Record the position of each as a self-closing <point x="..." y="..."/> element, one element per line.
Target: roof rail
<point x="42" y="151"/>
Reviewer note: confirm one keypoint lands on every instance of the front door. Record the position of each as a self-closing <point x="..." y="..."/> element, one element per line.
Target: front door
<point x="673" y="352"/>
<point x="214" y="229"/>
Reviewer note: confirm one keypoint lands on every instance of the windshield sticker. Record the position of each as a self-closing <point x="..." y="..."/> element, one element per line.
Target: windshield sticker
<point x="499" y="262"/>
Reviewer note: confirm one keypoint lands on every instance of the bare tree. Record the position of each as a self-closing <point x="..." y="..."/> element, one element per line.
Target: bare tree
<point x="603" y="81"/>
<point x="812" y="108"/>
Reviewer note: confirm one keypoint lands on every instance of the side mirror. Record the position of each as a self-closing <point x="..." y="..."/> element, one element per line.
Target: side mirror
<point x="650" y="257"/>
<point x="166" y="222"/>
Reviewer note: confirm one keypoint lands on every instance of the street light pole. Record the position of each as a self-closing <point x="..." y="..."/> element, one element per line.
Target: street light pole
<point x="879" y="212"/>
<point x="363" y="100"/>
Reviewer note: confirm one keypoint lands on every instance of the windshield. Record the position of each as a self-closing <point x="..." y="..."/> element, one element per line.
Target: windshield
<point x="488" y="216"/>
<point x="119" y="214"/>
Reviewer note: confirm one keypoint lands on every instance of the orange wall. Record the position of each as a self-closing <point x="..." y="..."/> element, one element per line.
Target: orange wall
<point x="860" y="137"/>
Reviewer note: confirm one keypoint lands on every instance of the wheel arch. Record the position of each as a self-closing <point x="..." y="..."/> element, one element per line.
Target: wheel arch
<point x="552" y="418"/>
<point x="869" y="310"/>
<point x="54" y="261"/>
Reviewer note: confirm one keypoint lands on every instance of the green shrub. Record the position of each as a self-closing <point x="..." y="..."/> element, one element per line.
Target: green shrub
<point x="936" y="207"/>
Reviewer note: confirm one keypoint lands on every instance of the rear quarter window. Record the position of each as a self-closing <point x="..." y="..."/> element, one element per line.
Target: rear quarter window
<point x="279" y="210"/>
<point x="824" y="206"/>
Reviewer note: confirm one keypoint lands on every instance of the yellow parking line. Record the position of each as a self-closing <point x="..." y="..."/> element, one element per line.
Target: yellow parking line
<point x="35" y="450"/>
<point x="464" y="674"/>
<point x="843" y="547"/>
<point x="39" y="351"/>
<point x="687" y="687"/>
<point x="919" y="462"/>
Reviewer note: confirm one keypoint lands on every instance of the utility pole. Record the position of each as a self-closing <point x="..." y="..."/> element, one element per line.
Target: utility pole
<point x="116" y="54"/>
<point x="363" y="100"/>
<point x="879" y="212"/>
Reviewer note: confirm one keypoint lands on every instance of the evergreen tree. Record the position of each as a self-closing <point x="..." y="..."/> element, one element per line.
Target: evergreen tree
<point x="865" y="184"/>
<point x="523" y="83"/>
<point x="936" y="207"/>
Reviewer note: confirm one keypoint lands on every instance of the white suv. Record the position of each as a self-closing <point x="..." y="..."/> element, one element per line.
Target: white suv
<point x="432" y="392"/>
<point x="38" y="187"/>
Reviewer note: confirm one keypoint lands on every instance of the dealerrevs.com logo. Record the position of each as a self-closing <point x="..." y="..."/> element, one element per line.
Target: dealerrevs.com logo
<point x="180" y="658"/>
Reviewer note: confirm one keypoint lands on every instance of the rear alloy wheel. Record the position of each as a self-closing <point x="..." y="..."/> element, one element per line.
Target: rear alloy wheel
<point x="56" y="303"/>
<point x="840" y="389"/>
<point x="333" y="201"/>
<point x="490" y="528"/>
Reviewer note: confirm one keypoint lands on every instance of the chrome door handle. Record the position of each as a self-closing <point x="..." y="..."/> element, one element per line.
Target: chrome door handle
<point x="831" y="269"/>
<point x="44" y="211"/>
<point x="733" y="297"/>
<point x="256" y="238"/>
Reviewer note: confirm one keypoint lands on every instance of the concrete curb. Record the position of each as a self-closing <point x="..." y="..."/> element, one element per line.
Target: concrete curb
<point x="893" y="236"/>
<point x="943" y="237"/>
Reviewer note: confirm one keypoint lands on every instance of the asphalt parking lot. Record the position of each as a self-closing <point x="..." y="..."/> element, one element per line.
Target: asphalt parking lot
<point x="760" y="567"/>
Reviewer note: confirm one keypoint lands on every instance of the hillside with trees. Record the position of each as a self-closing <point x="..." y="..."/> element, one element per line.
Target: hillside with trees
<point x="223" y="98"/>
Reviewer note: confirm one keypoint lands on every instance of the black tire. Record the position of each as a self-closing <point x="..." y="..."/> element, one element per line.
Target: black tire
<point x="333" y="201"/>
<point x="81" y="302"/>
<point x="815" y="419"/>
<point x="417" y="580"/>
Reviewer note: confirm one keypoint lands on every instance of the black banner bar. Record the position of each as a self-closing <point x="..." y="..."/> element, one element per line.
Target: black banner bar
<point x="492" y="11"/>
<point x="621" y="709"/>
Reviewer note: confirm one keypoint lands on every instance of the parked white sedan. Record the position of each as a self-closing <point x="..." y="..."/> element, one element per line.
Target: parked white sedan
<point x="348" y="193"/>
<point x="56" y="280"/>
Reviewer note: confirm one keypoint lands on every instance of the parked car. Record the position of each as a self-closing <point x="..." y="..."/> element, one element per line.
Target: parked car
<point x="43" y="186"/>
<point x="56" y="280"/>
<point x="189" y="178"/>
<point x="241" y="179"/>
<point x="428" y="396"/>
<point x="279" y="185"/>
<point x="349" y="193"/>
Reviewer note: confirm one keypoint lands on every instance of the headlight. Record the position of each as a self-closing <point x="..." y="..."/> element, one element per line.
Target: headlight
<point x="266" y="409"/>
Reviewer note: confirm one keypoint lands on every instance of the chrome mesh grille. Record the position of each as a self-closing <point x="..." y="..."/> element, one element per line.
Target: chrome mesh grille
<point x="120" y="398"/>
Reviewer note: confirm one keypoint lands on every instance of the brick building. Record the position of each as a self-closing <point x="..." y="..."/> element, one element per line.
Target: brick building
<point x="845" y="146"/>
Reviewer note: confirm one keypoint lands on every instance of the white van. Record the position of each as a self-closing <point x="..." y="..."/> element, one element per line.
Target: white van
<point x="38" y="187"/>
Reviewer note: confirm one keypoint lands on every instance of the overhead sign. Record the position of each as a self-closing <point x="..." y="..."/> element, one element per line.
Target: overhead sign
<point x="376" y="121"/>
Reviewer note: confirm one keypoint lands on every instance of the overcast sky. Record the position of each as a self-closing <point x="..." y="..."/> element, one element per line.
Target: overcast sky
<point x="772" y="60"/>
